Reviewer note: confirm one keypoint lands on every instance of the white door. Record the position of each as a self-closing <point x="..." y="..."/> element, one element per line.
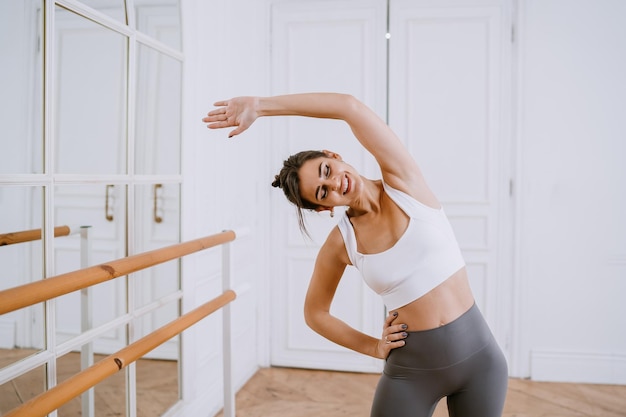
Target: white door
<point x="321" y="46"/>
<point x="447" y="68"/>
<point x="448" y="99"/>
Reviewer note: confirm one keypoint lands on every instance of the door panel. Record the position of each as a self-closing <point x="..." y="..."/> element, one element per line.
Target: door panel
<point x="321" y="46"/>
<point x="445" y="100"/>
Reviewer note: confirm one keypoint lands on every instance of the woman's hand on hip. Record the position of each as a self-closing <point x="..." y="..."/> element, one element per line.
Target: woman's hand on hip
<point x="238" y="111"/>
<point x="393" y="336"/>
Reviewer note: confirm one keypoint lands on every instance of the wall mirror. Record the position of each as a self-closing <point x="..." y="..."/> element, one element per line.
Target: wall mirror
<point x="159" y="19"/>
<point x="102" y="209"/>
<point x="22" y="388"/>
<point x="96" y="160"/>
<point x="21" y="257"/>
<point x="112" y="8"/>
<point x="156" y="225"/>
<point x="90" y="111"/>
<point x="157" y="124"/>
<point x="105" y="399"/>
<point x="21" y="83"/>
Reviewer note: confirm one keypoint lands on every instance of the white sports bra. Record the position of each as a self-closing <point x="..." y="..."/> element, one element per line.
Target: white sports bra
<point x="425" y="255"/>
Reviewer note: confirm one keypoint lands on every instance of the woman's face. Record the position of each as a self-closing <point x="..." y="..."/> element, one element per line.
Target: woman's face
<point x="329" y="182"/>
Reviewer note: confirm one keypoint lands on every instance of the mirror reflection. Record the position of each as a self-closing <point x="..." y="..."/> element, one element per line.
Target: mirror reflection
<point x="102" y="208"/>
<point x="158" y="113"/>
<point x="92" y="154"/>
<point x="21" y="75"/>
<point x="105" y="399"/>
<point x="111" y="8"/>
<point x="21" y="256"/>
<point x="157" y="225"/>
<point x="157" y="375"/>
<point x="90" y="113"/>
<point x="21" y="389"/>
<point x="160" y="19"/>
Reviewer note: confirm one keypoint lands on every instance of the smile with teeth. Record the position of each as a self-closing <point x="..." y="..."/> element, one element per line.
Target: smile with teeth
<point x="345" y="185"/>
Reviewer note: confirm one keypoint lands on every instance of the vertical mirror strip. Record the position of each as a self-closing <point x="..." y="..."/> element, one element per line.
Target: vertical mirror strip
<point x="85" y="179"/>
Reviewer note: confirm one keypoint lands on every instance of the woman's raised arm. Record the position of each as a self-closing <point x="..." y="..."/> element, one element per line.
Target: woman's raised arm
<point x="398" y="167"/>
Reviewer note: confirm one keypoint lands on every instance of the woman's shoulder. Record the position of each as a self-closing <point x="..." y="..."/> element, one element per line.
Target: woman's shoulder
<point x="334" y="249"/>
<point x="414" y="187"/>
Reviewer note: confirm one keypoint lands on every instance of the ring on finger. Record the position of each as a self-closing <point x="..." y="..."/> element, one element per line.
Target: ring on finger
<point x="387" y="340"/>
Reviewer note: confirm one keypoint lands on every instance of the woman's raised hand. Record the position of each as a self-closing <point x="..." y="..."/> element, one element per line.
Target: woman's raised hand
<point x="238" y="111"/>
<point x="393" y="336"/>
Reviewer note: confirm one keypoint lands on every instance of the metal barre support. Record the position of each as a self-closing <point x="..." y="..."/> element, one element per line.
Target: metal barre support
<point x="241" y="232"/>
<point x="56" y="396"/>
<point x="87" y="402"/>
<point x="228" y="377"/>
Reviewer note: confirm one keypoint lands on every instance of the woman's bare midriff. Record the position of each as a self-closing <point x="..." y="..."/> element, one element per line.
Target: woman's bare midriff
<point x="442" y="305"/>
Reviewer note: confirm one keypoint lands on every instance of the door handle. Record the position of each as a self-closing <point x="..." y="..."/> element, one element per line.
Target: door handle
<point x="108" y="206"/>
<point x="157" y="218"/>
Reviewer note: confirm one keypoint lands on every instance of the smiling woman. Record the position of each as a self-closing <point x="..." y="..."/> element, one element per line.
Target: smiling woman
<point x="309" y="178"/>
<point x="289" y="181"/>
<point x="326" y="181"/>
<point x="395" y="232"/>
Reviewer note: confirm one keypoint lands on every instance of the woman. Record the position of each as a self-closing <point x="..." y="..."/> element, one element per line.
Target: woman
<point x="435" y="340"/>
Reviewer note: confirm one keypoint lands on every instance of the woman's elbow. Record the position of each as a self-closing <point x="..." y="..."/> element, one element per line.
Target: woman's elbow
<point x="312" y="316"/>
<point x="351" y="103"/>
<point x="309" y="316"/>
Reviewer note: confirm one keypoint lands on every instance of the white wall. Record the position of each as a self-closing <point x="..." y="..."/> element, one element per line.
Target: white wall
<point x="226" y="186"/>
<point x="572" y="146"/>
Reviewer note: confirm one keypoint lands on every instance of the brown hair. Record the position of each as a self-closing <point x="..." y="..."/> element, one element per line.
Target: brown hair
<point x="289" y="181"/>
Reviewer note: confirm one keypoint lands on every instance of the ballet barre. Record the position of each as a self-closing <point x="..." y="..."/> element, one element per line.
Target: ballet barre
<point x="86" y="353"/>
<point x="33" y="234"/>
<point x="35" y="292"/>
<point x="25" y="295"/>
<point x="82" y="381"/>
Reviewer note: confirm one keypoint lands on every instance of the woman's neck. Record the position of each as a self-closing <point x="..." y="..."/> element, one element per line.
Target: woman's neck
<point x="370" y="199"/>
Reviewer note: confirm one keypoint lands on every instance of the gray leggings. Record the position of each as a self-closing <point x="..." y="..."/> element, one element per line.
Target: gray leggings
<point x="460" y="361"/>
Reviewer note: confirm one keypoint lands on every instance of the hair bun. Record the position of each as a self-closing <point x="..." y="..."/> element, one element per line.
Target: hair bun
<point x="276" y="182"/>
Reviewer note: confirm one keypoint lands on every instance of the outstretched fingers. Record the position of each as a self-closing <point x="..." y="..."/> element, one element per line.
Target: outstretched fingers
<point x="238" y="112"/>
<point x="217" y="112"/>
<point x="219" y="119"/>
<point x="218" y="124"/>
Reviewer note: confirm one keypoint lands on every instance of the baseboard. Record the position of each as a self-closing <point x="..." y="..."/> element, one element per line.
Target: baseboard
<point x="592" y="368"/>
<point x="201" y="407"/>
<point x="7" y="334"/>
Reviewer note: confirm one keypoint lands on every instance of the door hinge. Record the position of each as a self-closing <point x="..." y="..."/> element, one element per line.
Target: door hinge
<point x="511" y="187"/>
<point x="512" y="33"/>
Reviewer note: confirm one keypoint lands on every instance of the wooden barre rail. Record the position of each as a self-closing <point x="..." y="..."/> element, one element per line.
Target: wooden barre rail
<point x="57" y="396"/>
<point x="28" y="294"/>
<point x="30" y="235"/>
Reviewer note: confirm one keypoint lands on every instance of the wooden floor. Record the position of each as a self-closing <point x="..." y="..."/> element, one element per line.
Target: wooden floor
<point x="304" y="393"/>
<point x="282" y="392"/>
<point x="157" y="386"/>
